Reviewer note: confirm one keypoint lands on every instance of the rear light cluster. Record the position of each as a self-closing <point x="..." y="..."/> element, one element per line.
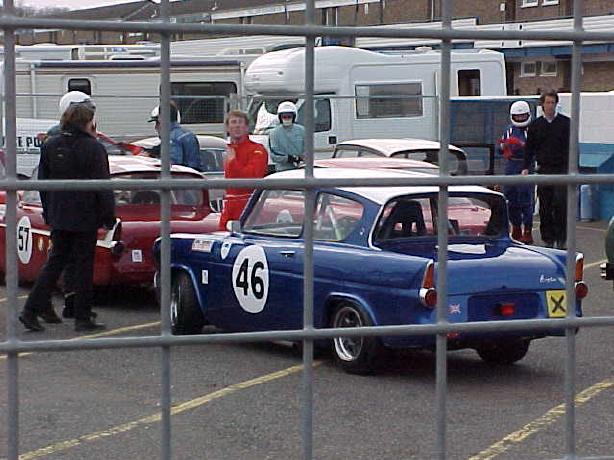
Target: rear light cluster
<point x="428" y="293"/>
<point x="506" y="309"/>
<point x="580" y="286"/>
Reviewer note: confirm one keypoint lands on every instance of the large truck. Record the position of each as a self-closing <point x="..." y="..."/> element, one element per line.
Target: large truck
<point x="363" y="94"/>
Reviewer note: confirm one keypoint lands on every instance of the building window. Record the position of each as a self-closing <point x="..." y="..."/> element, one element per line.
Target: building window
<point x="548" y="69"/>
<point x="80" y="84"/>
<point x="528" y="69"/>
<point x="528" y="3"/>
<point x="392" y="100"/>
<point x="550" y="2"/>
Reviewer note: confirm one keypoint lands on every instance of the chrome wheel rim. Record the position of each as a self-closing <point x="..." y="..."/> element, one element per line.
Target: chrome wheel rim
<point x="348" y="348"/>
<point x="175" y="296"/>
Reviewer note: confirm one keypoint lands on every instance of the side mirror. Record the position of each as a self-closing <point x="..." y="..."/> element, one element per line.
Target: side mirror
<point x="233" y="226"/>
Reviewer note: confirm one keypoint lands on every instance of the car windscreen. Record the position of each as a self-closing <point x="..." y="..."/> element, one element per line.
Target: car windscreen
<point x="469" y="215"/>
<point x="152" y="197"/>
<point x="212" y="159"/>
<point x="282" y="213"/>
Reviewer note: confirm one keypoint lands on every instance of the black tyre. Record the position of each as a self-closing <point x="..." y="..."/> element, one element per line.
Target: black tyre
<point x="504" y="352"/>
<point x="186" y="315"/>
<point x="355" y="355"/>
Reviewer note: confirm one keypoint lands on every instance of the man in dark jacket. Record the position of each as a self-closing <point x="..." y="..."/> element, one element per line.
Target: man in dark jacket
<point x="74" y="216"/>
<point x="548" y="146"/>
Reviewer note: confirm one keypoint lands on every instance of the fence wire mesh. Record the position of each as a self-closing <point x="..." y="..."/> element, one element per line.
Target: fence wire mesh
<point x="368" y="102"/>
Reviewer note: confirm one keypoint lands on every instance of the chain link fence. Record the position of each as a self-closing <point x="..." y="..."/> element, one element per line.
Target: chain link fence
<point x="13" y="345"/>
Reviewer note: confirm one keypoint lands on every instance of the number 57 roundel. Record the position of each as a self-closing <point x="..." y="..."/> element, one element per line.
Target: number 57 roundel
<point x="250" y="279"/>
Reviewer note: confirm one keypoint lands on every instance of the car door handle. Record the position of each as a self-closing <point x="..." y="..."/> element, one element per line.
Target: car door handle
<point x="287" y="254"/>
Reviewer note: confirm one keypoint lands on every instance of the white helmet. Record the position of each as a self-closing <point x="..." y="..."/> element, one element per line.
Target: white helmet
<point x="155" y="114"/>
<point x="520" y="114"/>
<point x="286" y="107"/>
<point x="75" y="97"/>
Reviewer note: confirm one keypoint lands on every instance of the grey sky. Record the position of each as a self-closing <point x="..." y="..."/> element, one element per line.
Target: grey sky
<point x="72" y="4"/>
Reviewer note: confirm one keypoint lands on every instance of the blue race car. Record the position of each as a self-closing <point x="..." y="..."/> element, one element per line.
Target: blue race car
<point x="375" y="263"/>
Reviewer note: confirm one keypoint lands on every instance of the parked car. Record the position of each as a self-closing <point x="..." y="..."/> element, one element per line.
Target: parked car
<point x="413" y="149"/>
<point x="399" y="164"/>
<point x="212" y="150"/>
<point x="123" y="254"/>
<point x="114" y="147"/>
<point x="375" y="263"/>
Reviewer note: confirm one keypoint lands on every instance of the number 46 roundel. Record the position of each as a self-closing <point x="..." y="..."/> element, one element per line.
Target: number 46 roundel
<point x="250" y="279"/>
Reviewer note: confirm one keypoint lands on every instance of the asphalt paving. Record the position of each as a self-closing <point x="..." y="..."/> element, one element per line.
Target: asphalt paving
<point x="244" y="401"/>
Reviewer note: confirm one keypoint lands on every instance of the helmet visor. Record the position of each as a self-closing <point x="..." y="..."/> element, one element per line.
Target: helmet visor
<point x="521" y="117"/>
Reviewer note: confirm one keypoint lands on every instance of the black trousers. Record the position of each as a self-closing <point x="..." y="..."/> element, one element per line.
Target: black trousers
<point x="78" y="249"/>
<point x="553" y="213"/>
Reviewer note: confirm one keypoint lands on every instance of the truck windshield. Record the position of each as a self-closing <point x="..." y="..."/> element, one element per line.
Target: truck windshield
<point x="262" y="113"/>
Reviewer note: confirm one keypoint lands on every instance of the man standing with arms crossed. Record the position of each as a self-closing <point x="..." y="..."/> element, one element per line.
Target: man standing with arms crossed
<point x="548" y="146"/>
<point x="245" y="159"/>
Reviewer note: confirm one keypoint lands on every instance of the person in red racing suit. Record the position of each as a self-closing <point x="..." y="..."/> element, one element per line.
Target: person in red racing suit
<point x="244" y="160"/>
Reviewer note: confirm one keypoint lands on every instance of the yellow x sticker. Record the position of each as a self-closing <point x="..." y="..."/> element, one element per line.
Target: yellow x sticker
<point x="557" y="305"/>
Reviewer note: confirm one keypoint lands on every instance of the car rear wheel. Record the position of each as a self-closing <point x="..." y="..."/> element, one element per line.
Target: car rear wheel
<point x="356" y="355"/>
<point x="504" y="352"/>
<point x="186" y="316"/>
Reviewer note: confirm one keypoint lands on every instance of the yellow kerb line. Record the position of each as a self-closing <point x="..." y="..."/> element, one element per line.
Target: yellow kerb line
<point x="175" y="410"/>
<point x="538" y="424"/>
<point x="136" y="327"/>
<point x="595" y="264"/>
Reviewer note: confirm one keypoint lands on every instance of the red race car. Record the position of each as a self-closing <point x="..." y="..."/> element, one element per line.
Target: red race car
<point x="123" y="254"/>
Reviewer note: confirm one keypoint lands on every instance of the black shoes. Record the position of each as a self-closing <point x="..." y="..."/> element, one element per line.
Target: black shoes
<point x="82" y="325"/>
<point x="30" y="321"/>
<point x="50" y="316"/>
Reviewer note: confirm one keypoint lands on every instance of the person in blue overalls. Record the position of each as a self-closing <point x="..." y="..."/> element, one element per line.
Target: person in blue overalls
<point x="520" y="198"/>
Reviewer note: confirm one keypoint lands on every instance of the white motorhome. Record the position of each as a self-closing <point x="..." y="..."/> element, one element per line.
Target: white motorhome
<point x="125" y="91"/>
<point x="362" y="93"/>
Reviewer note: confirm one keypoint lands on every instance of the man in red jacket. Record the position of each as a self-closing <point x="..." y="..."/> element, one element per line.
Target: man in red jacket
<point x="244" y="160"/>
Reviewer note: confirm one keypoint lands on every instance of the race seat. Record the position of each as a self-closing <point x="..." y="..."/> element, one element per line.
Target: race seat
<point x="404" y="221"/>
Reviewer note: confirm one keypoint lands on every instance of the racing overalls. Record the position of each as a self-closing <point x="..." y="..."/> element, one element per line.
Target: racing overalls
<point x="287" y="146"/>
<point x="520" y="198"/>
<point x="250" y="162"/>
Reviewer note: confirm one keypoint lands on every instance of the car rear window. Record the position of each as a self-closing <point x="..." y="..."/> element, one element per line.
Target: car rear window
<point x="468" y="216"/>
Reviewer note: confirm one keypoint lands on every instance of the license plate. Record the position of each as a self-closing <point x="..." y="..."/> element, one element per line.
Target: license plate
<point x="557" y="304"/>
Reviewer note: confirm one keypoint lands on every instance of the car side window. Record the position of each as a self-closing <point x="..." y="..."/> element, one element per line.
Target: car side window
<point x="336" y="217"/>
<point x="277" y="213"/>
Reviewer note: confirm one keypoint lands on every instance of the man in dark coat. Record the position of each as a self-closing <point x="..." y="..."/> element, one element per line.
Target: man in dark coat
<point x="548" y="146"/>
<point x="74" y="216"/>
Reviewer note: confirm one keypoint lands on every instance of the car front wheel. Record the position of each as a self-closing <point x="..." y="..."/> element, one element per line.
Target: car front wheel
<point x="186" y="315"/>
<point x="504" y="352"/>
<point x="356" y="355"/>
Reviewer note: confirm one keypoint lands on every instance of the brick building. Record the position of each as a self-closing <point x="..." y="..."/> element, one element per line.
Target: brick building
<point x="531" y="67"/>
